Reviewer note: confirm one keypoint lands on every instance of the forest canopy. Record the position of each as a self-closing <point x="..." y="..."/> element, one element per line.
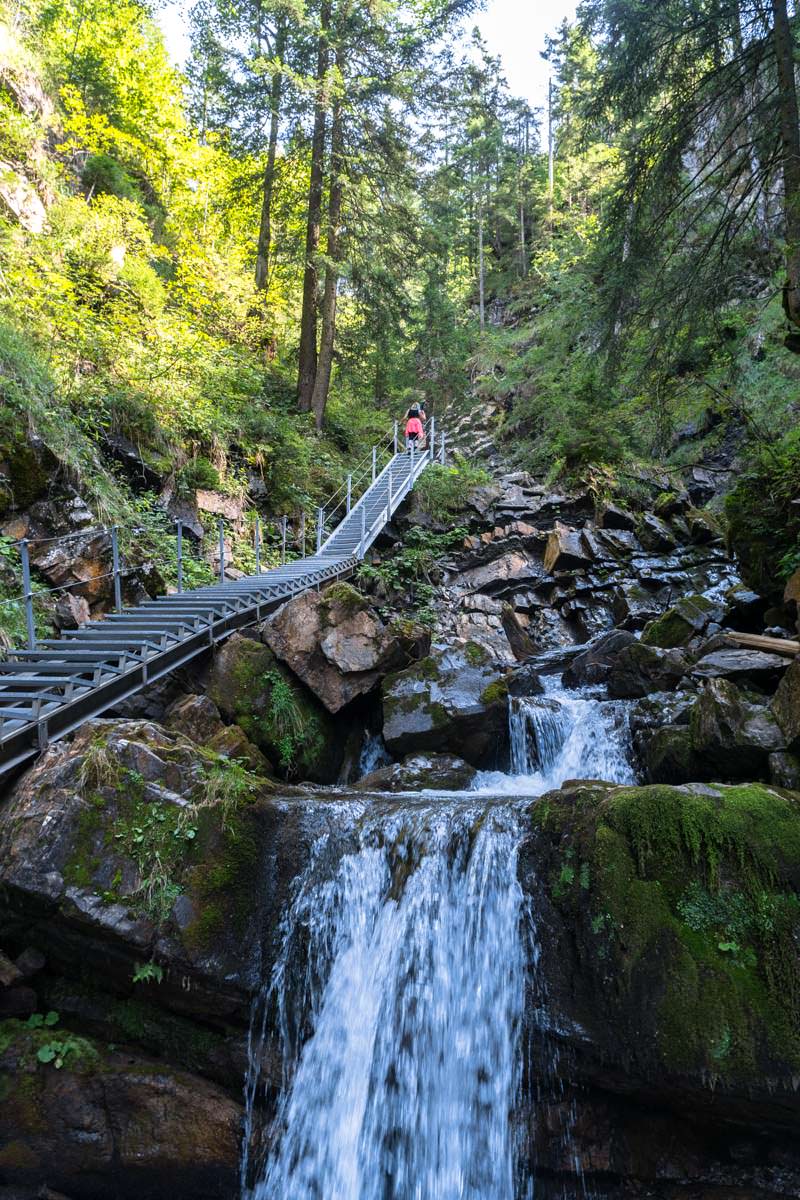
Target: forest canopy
<point x="337" y="208"/>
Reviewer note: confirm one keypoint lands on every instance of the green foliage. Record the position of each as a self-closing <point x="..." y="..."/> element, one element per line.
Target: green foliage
<point x="763" y="521"/>
<point x="148" y="972"/>
<point x="443" y="492"/>
<point x="288" y="725"/>
<point x="406" y="575"/>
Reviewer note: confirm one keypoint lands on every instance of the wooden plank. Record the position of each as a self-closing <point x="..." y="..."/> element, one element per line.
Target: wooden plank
<point x="757" y="641"/>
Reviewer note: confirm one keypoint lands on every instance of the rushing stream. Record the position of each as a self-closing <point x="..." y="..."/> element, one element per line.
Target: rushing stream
<point x="400" y="986"/>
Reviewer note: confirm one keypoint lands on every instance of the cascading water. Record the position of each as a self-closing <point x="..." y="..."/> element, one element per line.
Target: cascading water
<point x="400" y="988"/>
<point x="562" y="735"/>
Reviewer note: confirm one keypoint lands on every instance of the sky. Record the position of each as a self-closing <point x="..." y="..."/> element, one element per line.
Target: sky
<point x="515" y="30"/>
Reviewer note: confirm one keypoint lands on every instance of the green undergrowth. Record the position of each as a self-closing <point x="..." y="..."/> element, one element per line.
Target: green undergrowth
<point x="407" y="575"/>
<point x="442" y="492"/>
<point x="276" y="713"/>
<point x="690" y="899"/>
<point x="139" y="848"/>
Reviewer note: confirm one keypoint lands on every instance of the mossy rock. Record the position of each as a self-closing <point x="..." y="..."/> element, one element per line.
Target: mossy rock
<point x="451" y="703"/>
<point x="688" y="899"/>
<point x="679" y="624"/>
<point x="279" y="715"/>
<point x="26" y="471"/>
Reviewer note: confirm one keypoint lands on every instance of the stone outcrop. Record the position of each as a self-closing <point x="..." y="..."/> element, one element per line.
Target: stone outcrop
<point x="449" y="702"/>
<point x="638" y="670"/>
<point x="336" y="643"/>
<point x="594" y="665"/>
<point x="652" y="946"/>
<point x="277" y="714"/>
<point x="753" y="667"/>
<point x="786" y="706"/>
<point x="566" y="548"/>
<point x="421" y="772"/>
<point x="731" y="737"/>
<point x="111" y="1122"/>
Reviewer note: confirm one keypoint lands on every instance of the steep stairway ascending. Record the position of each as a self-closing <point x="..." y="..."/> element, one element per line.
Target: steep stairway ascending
<point x="52" y="689"/>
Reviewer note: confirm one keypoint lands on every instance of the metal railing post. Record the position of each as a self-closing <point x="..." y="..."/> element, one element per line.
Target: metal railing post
<point x="303" y="534"/>
<point x="390" y="492"/>
<point x="221" y="526"/>
<point x="361" y="549"/>
<point x="115" y="567"/>
<point x="257" y="542"/>
<point x="395" y="437"/>
<point x="411" y="476"/>
<point x="283" y="540"/>
<point x="179" y="545"/>
<point x="26" y="587"/>
<point x="442" y="452"/>
<point x="432" y="438"/>
<point x="374" y="463"/>
<point x="349" y="493"/>
<point x="320" y="526"/>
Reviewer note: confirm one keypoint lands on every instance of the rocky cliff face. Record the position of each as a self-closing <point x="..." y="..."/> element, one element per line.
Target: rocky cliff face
<point x="145" y="865"/>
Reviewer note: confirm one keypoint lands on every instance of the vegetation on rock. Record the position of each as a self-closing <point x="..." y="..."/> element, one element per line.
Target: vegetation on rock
<point x="687" y="895"/>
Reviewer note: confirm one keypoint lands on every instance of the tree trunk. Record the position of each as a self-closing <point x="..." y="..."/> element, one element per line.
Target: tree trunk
<point x="265" y="228"/>
<point x="481" y="269"/>
<point x="307" y="365"/>
<point x="336" y="190"/>
<point x="790" y="143"/>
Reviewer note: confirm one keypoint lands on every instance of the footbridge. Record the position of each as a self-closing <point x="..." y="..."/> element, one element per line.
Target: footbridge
<point x="53" y="686"/>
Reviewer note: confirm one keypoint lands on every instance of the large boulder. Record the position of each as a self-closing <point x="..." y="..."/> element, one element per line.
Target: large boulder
<point x="786" y="706"/>
<point x="198" y="718"/>
<point x="669" y="939"/>
<point x="284" y="720"/>
<point x="128" y="844"/>
<point x="566" y="549"/>
<point x="336" y="643"/>
<point x="755" y="668"/>
<point x="731" y="737"/>
<point x="595" y="663"/>
<point x="639" y="670"/>
<point x="455" y="702"/>
<point x="101" y="1122"/>
<point x="421" y="772"/>
<point x="679" y="624"/>
<point x="669" y="756"/>
<point x="655" y="534"/>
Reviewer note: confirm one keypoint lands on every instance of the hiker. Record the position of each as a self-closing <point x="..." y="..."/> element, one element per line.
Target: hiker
<point x="414" y="428"/>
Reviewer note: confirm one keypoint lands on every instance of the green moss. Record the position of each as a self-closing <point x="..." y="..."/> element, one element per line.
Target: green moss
<point x="475" y="654"/>
<point x="694" y="899"/>
<point x="677" y="625"/>
<point x="438" y="715"/>
<point x="345" y="596"/>
<point x="495" y="693"/>
<point x="222" y="887"/>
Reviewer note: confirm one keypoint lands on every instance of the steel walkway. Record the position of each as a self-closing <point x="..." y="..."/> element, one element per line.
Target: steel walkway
<point x="51" y="690"/>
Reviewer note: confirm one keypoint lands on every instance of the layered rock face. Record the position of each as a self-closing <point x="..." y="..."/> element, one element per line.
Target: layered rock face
<point x="139" y="874"/>
<point x="667" y="922"/>
<point x="145" y="867"/>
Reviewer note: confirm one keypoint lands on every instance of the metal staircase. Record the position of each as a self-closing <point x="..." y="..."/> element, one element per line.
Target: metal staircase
<point x="50" y="690"/>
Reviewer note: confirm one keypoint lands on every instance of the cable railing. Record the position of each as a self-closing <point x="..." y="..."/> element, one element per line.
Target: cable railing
<point x="285" y="539"/>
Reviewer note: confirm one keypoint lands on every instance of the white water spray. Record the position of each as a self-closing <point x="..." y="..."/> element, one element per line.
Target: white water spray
<point x="400" y="988"/>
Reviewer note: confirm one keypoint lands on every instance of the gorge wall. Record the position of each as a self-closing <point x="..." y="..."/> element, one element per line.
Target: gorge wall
<point x="165" y="875"/>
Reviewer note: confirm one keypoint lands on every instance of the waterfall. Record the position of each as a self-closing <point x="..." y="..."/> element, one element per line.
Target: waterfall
<point x="562" y="735"/>
<point x="404" y="1086"/>
<point x="407" y="952"/>
<point x="373" y="755"/>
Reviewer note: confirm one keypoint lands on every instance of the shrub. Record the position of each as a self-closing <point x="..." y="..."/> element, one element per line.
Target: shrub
<point x="443" y="491"/>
